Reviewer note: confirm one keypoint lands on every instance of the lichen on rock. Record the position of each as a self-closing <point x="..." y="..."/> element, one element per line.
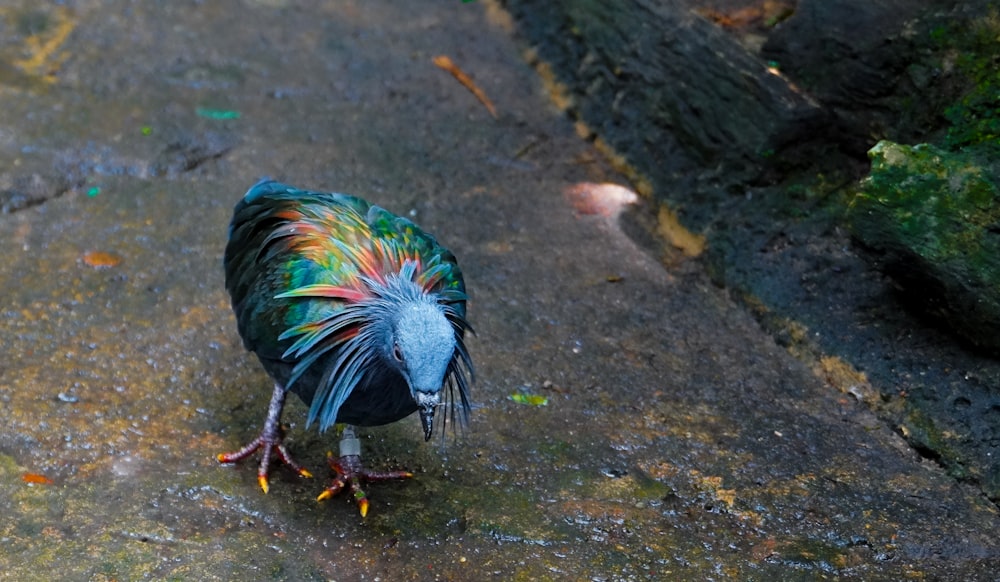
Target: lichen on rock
<point x="931" y="221"/>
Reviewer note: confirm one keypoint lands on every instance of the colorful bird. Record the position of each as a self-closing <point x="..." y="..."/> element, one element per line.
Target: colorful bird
<point x="358" y="311"/>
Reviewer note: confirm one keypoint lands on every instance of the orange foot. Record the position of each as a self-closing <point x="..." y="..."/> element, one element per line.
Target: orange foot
<point x="350" y="471"/>
<point x="269" y="442"/>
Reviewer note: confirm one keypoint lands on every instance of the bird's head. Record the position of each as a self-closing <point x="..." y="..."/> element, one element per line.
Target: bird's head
<point x="421" y="347"/>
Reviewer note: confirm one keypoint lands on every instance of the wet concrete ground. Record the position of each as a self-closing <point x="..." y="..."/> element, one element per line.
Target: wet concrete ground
<point x="678" y="441"/>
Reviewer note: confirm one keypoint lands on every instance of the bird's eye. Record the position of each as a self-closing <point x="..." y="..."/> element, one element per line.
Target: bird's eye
<point x="397" y="353"/>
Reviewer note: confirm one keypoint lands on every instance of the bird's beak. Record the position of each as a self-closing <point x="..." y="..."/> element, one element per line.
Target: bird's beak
<point x="427" y="402"/>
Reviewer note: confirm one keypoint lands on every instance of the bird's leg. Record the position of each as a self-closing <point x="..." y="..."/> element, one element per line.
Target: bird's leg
<point x="269" y="441"/>
<point x="350" y="471"/>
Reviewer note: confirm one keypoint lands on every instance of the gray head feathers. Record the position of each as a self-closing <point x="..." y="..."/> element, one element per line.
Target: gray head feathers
<point x="400" y="327"/>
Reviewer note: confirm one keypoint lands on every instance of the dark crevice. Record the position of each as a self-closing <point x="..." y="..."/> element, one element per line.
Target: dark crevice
<point x="31" y="192"/>
<point x="72" y="169"/>
<point x="189" y="154"/>
<point x="924" y="451"/>
<point x="954" y="470"/>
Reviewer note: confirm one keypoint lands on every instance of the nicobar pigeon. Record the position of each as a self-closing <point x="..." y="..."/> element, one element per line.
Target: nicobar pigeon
<point x="356" y="310"/>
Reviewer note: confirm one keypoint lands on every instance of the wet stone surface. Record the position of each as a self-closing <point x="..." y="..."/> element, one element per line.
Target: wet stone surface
<point x="677" y="440"/>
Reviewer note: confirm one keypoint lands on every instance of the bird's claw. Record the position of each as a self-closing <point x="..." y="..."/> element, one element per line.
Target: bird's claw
<point x="268" y="445"/>
<point x="350" y="473"/>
